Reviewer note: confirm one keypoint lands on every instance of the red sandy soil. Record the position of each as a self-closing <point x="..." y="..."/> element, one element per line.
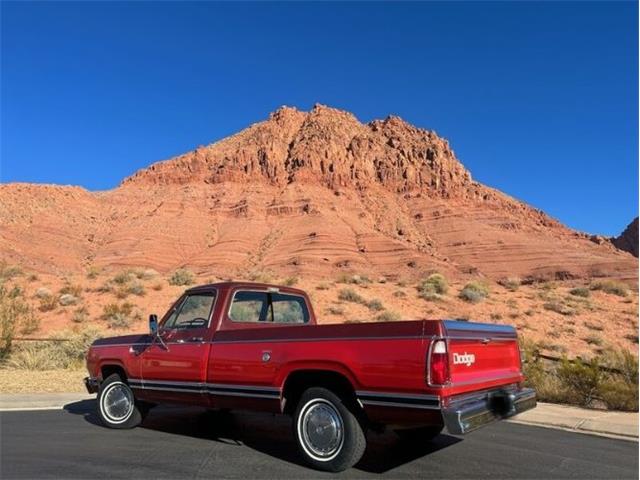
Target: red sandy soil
<point x="316" y="195"/>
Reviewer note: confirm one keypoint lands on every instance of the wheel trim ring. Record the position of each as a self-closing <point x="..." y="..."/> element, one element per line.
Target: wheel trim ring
<point x="105" y="408"/>
<point x="304" y="438"/>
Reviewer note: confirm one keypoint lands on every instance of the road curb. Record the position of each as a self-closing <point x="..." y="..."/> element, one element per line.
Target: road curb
<point x="39" y="401"/>
<point x="620" y="425"/>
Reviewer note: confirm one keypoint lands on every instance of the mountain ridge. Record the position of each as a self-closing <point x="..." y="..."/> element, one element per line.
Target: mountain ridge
<point x="320" y="193"/>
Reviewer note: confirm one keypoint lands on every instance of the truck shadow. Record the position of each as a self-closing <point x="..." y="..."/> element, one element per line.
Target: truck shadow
<point x="269" y="434"/>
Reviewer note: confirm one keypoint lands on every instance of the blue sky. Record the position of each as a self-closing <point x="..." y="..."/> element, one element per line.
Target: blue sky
<point x="537" y="99"/>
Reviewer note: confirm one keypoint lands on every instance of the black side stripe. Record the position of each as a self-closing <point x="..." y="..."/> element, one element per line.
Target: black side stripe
<point x="390" y="400"/>
<point x="211" y="389"/>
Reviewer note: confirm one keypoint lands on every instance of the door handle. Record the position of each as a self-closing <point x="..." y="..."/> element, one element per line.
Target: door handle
<point x="191" y="340"/>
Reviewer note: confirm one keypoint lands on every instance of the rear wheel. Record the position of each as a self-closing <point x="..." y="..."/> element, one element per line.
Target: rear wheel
<point x="420" y="435"/>
<point x="330" y="436"/>
<point x="117" y="406"/>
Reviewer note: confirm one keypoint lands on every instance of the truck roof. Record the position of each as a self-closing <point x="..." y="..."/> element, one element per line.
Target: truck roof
<point x="251" y="285"/>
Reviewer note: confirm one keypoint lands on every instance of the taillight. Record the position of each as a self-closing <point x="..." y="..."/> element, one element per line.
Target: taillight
<point x="439" y="364"/>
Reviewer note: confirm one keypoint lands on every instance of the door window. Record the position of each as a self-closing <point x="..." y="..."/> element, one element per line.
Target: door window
<point x="250" y="307"/>
<point x="289" y="308"/>
<point x="194" y="312"/>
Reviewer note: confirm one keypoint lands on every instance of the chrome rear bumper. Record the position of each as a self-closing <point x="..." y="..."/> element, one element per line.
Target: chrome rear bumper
<point x="471" y="412"/>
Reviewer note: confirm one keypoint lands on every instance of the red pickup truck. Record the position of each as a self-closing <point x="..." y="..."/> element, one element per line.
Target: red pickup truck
<point x="258" y="347"/>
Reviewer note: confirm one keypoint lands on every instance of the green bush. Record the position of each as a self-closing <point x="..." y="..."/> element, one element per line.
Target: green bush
<point x="15" y="314"/>
<point x="433" y="287"/>
<point x="474" y="292"/>
<point x="582" y="378"/>
<point x="580" y="292"/>
<point x="612" y="287"/>
<point x="183" y="277"/>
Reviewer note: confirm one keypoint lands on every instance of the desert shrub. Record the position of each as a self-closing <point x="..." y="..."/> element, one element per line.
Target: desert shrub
<point x="157" y="286"/>
<point x="106" y="287"/>
<point x="632" y="337"/>
<point x="322" y="286"/>
<point x="433" y="287"/>
<point x="334" y="310"/>
<point x="401" y="283"/>
<point x="143" y="273"/>
<point x="70" y="289"/>
<point x="125" y="276"/>
<point x="354" y="279"/>
<point x="182" y="277"/>
<point x="510" y="283"/>
<point x="618" y="395"/>
<point x="15" y="314"/>
<point x="43" y="292"/>
<point x="119" y="316"/>
<point x="582" y="378"/>
<point x="388" y="316"/>
<point x="495" y="316"/>
<point x="80" y="315"/>
<point x="399" y="294"/>
<point x="7" y="272"/>
<point x="593" y="340"/>
<point x="67" y="299"/>
<point x="33" y="277"/>
<point x="93" y="272"/>
<point x="580" y="292"/>
<point x="290" y="281"/>
<point x="350" y="295"/>
<point x="594" y="326"/>
<point x="474" y="292"/>
<point x="612" y="287"/>
<point x="48" y="303"/>
<point x="260" y="277"/>
<point x="559" y="307"/>
<point x="50" y="355"/>
<point x="135" y="287"/>
<point x="375" y="305"/>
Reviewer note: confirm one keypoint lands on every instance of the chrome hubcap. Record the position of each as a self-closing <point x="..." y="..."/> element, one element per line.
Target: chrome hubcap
<point x="117" y="402"/>
<point x="322" y="429"/>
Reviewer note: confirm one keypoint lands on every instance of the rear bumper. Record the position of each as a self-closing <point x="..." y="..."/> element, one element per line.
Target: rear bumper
<point x="92" y="384"/>
<point x="468" y="413"/>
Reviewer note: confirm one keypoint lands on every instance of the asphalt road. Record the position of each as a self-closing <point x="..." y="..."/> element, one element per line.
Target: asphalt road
<point x="189" y="443"/>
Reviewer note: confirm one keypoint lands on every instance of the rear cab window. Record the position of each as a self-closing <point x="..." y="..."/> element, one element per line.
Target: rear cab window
<point x="249" y="306"/>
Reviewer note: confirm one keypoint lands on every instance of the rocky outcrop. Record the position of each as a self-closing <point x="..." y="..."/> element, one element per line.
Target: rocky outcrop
<point x="628" y="240"/>
<point x="312" y="193"/>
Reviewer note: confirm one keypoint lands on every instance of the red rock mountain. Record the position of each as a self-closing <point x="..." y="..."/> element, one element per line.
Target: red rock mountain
<point x="306" y="193"/>
<point x="628" y="240"/>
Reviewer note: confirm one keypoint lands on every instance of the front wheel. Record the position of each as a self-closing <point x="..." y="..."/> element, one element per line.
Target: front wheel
<point x="116" y="404"/>
<point x="330" y="436"/>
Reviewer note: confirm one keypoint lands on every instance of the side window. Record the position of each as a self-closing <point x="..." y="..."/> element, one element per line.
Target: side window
<point x="289" y="308"/>
<point x="250" y="307"/>
<point x="194" y="312"/>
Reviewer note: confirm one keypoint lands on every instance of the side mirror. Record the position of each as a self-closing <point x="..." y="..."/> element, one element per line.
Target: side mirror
<point x="153" y="324"/>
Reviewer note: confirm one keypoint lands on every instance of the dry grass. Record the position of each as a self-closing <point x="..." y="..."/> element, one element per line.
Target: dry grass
<point x="41" y="381"/>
